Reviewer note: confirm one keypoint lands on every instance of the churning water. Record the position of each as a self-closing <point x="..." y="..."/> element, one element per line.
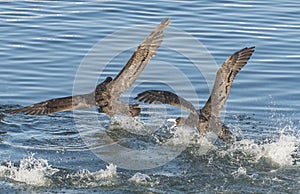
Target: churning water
<point x="49" y="48"/>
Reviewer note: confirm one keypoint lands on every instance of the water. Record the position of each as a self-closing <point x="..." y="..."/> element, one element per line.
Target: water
<point x="44" y="44"/>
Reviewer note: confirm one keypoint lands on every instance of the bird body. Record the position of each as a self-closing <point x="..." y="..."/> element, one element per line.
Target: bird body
<point x="106" y="95"/>
<point x="208" y="118"/>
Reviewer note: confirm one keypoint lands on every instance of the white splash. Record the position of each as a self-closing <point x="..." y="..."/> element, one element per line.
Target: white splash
<point x="280" y="152"/>
<point x="84" y="178"/>
<point x="109" y="172"/>
<point x="140" y="178"/>
<point x="182" y="136"/>
<point x="241" y="171"/>
<point x="132" y="124"/>
<point x="31" y="171"/>
<point x="205" y="145"/>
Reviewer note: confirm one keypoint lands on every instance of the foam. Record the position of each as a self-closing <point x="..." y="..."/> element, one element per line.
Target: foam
<point x="132" y="124"/>
<point x="281" y="151"/>
<point x="182" y="136"/>
<point x="31" y="171"/>
<point x="241" y="171"/>
<point x="86" y="179"/>
<point x="278" y="152"/>
<point x="139" y="178"/>
<point x="37" y="172"/>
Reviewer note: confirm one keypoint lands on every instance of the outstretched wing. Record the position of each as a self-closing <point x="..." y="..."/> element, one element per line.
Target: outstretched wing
<point x="223" y="82"/>
<point x="57" y="105"/>
<point x="165" y="97"/>
<point x="138" y="60"/>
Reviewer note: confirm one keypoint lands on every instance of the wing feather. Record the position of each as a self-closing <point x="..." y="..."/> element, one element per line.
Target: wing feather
<point x="165" y="97"/>
<point x="58" y="105"/>
<point x="223" y="82"/>
<point x="138" y="60"/>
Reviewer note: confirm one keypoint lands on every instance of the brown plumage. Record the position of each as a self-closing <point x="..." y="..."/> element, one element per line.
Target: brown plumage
<point x="208" y="118"/>
<point x="106" y="95"/>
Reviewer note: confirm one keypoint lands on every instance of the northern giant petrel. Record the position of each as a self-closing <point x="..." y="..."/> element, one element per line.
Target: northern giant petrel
<point x="106" y="95"/>
<point x="208" y="118"/>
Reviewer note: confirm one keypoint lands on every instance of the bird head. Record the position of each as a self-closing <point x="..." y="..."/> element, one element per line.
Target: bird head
<point x="102" y="95"/>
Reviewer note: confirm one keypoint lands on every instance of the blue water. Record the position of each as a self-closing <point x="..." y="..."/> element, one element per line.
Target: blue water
<point x="44" y="45"/>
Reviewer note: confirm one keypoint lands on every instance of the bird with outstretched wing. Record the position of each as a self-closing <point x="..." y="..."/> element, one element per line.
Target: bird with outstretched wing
<point x="208" y="118"/>
<point x="106" y="95"/>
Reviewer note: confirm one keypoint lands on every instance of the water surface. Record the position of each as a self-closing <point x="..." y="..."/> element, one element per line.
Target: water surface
<point x="43" y="45"/>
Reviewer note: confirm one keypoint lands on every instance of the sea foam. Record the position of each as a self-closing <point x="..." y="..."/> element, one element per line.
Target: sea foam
<point x="279" y="152"/>
<point x="31" y="171"/>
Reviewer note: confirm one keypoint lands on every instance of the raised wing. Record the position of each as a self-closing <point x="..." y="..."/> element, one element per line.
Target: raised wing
<point x="165" y="97"/>
<point x="58" y="105"/>
<point x="138" y="60"/>
<point x="223" y="82"/>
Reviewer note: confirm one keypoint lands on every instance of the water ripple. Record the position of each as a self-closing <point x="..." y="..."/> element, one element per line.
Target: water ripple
<point x="43" y="43"/>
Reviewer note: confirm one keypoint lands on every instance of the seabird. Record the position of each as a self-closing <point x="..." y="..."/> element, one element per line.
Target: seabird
<point x="208" y="118"/>
<point x="106" y="95"/>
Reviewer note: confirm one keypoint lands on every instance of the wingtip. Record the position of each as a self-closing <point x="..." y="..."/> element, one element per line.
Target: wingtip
<point x="249" y="48"/>
<point x="137" y="97"/>
<point x="12" y="111"/>
<point x="252" y="48"/>
<point x="246" y="50"/>
<point x="166" y="21"/>
<point x="23" y="110"/>
<point x="140" y="95"/>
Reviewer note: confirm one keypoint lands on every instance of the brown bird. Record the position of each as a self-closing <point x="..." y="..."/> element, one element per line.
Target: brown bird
<point x="106" y="95"/>
<point x="208" y="118"/>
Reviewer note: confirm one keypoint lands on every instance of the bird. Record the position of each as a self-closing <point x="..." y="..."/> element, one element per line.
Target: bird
<point x="206" y="119"/>
<point x="106" y="94"/>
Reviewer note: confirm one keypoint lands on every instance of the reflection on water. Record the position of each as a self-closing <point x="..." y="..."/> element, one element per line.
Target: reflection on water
<point x="43" y="44"/>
